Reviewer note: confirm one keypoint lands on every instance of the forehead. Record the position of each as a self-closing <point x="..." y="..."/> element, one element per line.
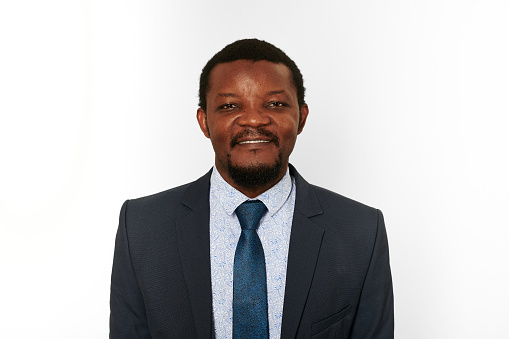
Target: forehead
<point x="261" y="72"/>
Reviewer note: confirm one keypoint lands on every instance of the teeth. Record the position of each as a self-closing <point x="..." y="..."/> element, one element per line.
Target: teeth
<point x="252" y="141"/>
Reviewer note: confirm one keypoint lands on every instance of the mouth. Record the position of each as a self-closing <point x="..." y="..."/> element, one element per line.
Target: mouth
<point x="252" y="142"/>
<point x="253" y="137"/>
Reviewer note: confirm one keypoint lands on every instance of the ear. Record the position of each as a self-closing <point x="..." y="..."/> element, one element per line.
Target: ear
<point x="201" y="116"/>
<point x="304" y="111"/>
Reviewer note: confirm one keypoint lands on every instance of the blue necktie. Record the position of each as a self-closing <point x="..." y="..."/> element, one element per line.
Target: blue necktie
<point x="250" y="310"/>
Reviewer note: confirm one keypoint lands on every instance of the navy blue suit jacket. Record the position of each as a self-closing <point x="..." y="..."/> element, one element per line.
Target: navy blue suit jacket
<point x="338" y="282"/>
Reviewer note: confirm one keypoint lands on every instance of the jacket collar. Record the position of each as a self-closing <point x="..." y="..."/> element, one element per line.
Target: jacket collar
<point x="305" y="243"/>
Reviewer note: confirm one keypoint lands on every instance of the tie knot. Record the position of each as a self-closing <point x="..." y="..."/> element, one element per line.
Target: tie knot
<point x="249" y="213"/>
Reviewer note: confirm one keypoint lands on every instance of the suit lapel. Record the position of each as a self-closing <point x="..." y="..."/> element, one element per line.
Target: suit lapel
<point x="305" y="242"/>
<point x="194" y="248"/>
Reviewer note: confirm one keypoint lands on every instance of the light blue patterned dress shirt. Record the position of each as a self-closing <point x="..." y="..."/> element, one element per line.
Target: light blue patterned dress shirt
<point x="274" y="233"/>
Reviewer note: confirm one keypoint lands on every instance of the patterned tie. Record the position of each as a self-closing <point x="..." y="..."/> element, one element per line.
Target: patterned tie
<point x="250" y="310"/>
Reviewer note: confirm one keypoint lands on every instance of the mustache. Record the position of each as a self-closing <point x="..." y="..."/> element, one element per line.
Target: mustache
<point x="254" y="133"/>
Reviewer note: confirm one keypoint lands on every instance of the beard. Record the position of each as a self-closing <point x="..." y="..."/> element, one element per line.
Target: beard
<point x="257" y="175"/>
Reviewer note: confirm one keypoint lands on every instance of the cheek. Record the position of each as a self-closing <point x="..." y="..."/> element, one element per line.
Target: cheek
<point x="288" y="134"/>
<point x="220" y="128"/>
<point x="219" y="137"/>
<point x="289" y="128"/>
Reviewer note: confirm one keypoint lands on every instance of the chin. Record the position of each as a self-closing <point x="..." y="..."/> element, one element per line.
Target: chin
<point x="257" y="174"/>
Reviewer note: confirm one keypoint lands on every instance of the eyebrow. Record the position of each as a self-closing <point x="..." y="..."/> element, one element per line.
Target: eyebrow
<point x="275" y="92"/>
<point x="233" y="95"/>
<point x="227" y="95"/>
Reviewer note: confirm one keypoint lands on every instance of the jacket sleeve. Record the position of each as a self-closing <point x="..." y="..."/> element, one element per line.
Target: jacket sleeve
<point x="375" y="313"/>
<point x="127" y="310"/>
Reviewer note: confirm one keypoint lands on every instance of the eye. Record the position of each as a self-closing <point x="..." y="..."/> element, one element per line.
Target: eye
<point x="277" y="104"/>
<point x="227" y="106"/>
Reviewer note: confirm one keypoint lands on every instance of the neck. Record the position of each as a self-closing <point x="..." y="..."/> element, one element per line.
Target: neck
<point x="252" y="189"/>
<point x="256" y="191"/>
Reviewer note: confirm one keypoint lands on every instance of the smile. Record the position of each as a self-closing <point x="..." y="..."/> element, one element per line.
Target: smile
<point x="252" y="141"/>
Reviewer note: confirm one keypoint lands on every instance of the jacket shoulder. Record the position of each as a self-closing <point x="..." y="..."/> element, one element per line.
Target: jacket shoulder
<point x="346" y="213"/>
<point x="180" y="198"/>
<point x="165" y="207"/>
<point x="329" y="208"/>
<point x="170" y="196"/>
<point x="332" y="199"/>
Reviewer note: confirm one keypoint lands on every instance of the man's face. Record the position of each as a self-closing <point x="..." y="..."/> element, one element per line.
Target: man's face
<point x="252" y="116"/>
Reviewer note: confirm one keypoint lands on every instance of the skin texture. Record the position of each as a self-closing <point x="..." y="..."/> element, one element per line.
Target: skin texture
<point x="255" y="102"/>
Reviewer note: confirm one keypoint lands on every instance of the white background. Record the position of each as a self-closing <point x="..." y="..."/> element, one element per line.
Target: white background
<point x="409" y="105"/>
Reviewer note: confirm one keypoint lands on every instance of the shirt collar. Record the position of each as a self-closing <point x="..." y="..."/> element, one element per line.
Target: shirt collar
<point x="230" y="198"/>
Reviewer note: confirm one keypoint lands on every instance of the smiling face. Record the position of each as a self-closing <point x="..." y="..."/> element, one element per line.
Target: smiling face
<point x="252" y="120"/>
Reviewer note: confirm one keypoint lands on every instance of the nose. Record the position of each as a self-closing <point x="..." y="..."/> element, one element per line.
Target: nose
<point x="252" y="117"/>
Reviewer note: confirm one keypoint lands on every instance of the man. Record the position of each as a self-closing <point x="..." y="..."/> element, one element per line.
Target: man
<point x="310" y="263"/>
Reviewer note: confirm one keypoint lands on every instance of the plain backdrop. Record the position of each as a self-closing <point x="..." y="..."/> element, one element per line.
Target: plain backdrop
<point x="408" y="113"/>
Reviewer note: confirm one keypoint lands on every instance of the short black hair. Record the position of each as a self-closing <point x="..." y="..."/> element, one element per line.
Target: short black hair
<point x="255" y="50"/>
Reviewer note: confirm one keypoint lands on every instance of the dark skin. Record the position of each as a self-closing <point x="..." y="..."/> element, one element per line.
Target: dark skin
<point x="244" y="97"/>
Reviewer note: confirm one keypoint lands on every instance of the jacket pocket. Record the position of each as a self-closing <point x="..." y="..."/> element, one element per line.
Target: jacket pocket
<point x="324" y="324"/>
